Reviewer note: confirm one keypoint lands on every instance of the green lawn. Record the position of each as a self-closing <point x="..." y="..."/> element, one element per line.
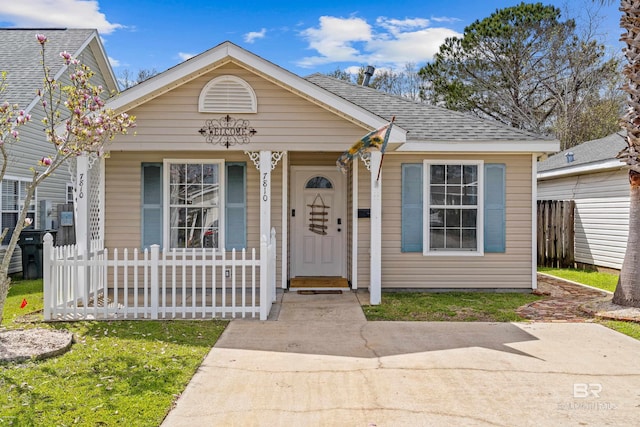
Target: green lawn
<point x="116" y="373"/>
<point x="29" y="290"/>
<point x="600" y="280"/>
<point x="628" y="328"/>
<point x="449" y="306"/>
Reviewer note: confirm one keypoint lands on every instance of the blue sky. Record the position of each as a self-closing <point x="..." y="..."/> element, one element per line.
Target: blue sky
<point x="302" y="37"/>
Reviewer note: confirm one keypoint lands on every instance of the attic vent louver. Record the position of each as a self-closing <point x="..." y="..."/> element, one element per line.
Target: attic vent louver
<point x="227" y="94"/>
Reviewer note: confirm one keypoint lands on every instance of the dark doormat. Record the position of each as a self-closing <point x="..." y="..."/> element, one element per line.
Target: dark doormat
<point x="310" y="292"/>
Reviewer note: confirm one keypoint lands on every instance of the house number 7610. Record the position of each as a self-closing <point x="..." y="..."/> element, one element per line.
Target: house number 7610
<point x="265" y="186"/>
<point x="81" y="186"/>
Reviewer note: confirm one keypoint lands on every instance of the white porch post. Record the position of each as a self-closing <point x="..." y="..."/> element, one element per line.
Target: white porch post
<point x="83" y="239"/>
<point x="375" y="283"/>
<point x="265" y="230"/>
<point x="354" y="227"/>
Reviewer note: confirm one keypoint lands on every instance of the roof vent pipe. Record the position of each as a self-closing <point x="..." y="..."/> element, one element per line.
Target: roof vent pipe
<point x="569" y="156"/>
<point x="368" y="73"/>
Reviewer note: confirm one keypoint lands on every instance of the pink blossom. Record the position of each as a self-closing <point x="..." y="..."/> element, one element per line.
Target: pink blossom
<point x="66" y="56"/>
<point x="28" y="222"/>
<point x="45" y="161"/>
<point x="42" y="39"/>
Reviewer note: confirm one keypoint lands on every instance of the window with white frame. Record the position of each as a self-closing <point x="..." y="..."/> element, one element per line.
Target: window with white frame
<point x="453" y="207"/>
<point x="69" y="198"/>
<point x="195" y="203"/>
<point x="13" y="194"/>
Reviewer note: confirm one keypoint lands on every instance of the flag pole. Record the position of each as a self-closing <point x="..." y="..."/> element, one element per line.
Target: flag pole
<point x="393" y="118"/>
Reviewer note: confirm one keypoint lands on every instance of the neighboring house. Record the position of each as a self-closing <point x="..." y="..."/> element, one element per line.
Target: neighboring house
<point x="591" y="175"/>
<point x="453" y="208"/>
<point x="20" y="57"/>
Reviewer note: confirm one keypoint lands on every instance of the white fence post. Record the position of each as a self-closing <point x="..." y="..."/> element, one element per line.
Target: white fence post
<point x="46" y="275"/>
<point x="154" y="286"/>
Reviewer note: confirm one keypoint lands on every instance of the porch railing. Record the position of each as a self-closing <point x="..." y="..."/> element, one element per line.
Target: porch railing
<point x="155" y="284"/>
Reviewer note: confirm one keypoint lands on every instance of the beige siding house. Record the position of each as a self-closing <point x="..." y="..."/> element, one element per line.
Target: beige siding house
<point x="20" y="58"/>
<point x="591" y="175"/>
<point x="229" y="146"/>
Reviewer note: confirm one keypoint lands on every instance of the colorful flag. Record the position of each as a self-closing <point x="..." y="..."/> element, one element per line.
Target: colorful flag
<point x="375" y="140"/>
<point x="24" y="303"/>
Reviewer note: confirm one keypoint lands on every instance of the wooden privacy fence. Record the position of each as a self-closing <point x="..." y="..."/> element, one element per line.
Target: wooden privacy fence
<point x="556" y="233"/>
<point x="154" y="284"/>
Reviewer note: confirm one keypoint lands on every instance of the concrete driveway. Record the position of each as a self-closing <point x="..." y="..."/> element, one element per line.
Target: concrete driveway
<point x="322" y="363"/>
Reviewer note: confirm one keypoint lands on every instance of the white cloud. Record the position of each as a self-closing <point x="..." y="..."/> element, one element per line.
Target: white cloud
<point x="254" y="35"/>
<point x="444" y="19"/>
<point x="184" y="55"/>
<point x="389" y="42"/>
<point x="114" y="62"/>
<point x="57" y="13"/>
<point x="334" y="39"/>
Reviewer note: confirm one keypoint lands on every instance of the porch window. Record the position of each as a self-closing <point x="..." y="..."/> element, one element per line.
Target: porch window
<point x="13" y="194"/>
<point x="453" y="208"/>
<point x="453" y="202"/>
<point x="194" y="204"/>
<point x="194" y="191"/>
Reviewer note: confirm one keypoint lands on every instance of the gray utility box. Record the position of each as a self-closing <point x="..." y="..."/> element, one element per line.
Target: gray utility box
<point x="30" y="243"/>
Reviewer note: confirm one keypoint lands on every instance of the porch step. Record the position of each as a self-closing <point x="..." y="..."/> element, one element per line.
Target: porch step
<point x="298" y="283"/>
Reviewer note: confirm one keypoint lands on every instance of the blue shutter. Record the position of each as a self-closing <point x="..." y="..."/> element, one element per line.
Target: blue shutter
<point x="151" y="204"/>
<point x="236" y="206"/>
<point x="494" y="207"/>
<point x="412" y="207"/>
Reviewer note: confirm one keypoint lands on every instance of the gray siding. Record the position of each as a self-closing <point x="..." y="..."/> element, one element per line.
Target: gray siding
<point x="32" y="146"/>
<point x="601" y="215"/>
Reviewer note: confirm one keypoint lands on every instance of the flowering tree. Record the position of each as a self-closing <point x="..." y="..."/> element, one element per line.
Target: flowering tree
<point x="75" y="122"/>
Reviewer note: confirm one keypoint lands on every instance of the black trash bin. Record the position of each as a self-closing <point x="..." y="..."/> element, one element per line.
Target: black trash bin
<point x="31" y="244"/>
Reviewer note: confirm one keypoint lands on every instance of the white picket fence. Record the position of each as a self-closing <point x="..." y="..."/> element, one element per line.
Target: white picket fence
<point x="154" y="284"/>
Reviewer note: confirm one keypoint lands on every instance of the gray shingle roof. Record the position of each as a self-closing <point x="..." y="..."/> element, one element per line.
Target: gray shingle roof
<point x="20" y="57"/>
<point x="596" y="150"/>
<point x="423" y="122"/>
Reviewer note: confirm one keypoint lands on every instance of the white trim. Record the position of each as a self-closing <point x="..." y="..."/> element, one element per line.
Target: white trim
<point x="166" y="200"/>
<point x="583" y="168"/>
<point x="284" y="272"/>
<point x="534" y="222"/>
<point x="228" y="52"/>
<point x="481" y="146"/>
<point x="354" y="227"/>
<point x="479" y="207"/>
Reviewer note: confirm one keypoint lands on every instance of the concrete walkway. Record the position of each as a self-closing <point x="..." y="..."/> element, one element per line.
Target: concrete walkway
<point x="322" y="364"/>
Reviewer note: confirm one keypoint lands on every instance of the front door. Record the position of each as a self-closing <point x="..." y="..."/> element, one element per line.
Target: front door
<point x="318" y="221"/>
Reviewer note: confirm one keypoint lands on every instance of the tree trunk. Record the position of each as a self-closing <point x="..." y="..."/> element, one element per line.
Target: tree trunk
<point x="628" y="290"/>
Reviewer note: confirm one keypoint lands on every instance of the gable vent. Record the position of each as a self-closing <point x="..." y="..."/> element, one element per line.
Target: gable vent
<point x="227" y="94"/>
